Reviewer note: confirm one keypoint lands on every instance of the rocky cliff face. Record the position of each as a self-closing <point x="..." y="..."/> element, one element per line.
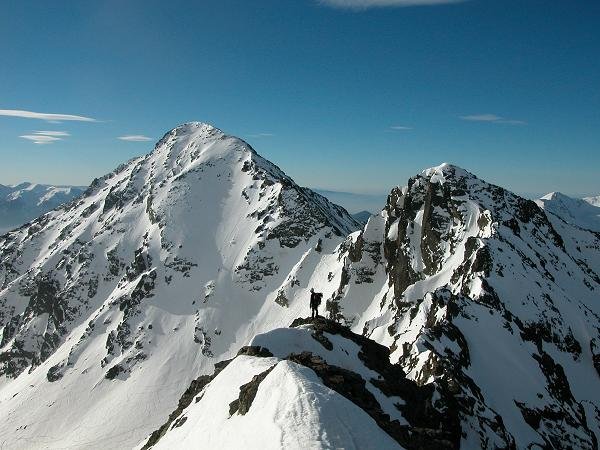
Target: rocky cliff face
<point x="314" y="385"/>
<point x="483" y="296"/>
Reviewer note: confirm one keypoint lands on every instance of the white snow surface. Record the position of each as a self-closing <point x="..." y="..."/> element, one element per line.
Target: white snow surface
<point x="584" y="213"/>
<point x="594" y="200"/>
<point x="164" y="267"/>
<point x="178" y="258"/>
<point x="20" y="203"/>
<point x="292" y="409"/>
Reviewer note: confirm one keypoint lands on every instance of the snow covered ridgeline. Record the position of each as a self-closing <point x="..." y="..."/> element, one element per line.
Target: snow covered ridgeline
<point x="177" y="258"/>
<point x="23" y="202"/>
<point x="471" y="283"/>
<point x="146" y="280"/>
<point x="315" y="385"/>
<point x="584" y="213"/>
<point x="197" y="186"/>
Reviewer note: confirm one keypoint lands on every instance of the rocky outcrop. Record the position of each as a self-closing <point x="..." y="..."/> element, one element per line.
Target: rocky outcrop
<point x="422" y="425"/>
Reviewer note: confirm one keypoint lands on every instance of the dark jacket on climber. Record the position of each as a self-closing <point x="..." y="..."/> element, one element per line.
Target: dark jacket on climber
<point x="315" y="301"/>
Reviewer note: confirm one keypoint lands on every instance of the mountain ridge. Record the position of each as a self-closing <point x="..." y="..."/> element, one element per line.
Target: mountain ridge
<point x="149" y="266"/>
<point x="584" y="213"/>
<point x="22" y="202"/>
<point x="177" y="259"/>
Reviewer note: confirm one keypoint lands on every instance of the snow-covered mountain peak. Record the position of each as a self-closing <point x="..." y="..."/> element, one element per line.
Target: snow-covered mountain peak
<point x="552" y="196"/>
<point x="446" y="172"/>
<point x="22" y="202"/>
<point x="594" y="200"/>
<point x="470" y="281"/>
<point x="23" y="185"/>
<point x="177" y="258"/>
<point x="190" y="141"/>
<point x="564" y="199"/>
<point x="159" y="268"/>
<point x="580" y="212"/>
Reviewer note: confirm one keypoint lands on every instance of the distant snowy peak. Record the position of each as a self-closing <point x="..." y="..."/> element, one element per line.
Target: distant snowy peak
<point x="584" y="213"/>
<point x="40" y="193"/>
<point x="594" y="201"/>
<point x="20" y="203"/>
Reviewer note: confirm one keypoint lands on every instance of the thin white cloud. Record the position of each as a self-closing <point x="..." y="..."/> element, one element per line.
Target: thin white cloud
<point x="40" y="138"/>
<point x="53" y="133"/>
<point x="135" y="138"/>
<point x="492" y="118"/>
<point x="400" y="128"/>
<point x="512" y="122"/>
<point x="364" y="4"/>
<point x="50" y="117"/>
<point x="261" y="135"/>
<point x="482" y="118"/>
<point x="45" y="137"/>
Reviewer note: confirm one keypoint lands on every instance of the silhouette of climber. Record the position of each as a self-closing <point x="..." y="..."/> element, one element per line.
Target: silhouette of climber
<point x="315" y="301"/>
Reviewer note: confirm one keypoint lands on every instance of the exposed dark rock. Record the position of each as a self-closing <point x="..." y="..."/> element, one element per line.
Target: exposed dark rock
<point x="429" y="427"/>
<point x="254" y="350"/>
<point x="247" y="393"/>
<point x="595" y="349"/>
<point x="281" y="299"/>
<point x="353" y="387"/>
<point x="54" y="373"/>
<point x="179" y="422"/>
<point x="113" y="372"/>
<point x="322" y="339"/>
<point x="186" y="399"/>
<point x="355" y="250"/>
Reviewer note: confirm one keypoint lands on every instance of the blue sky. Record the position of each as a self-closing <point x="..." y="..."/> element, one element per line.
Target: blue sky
<point x="340" y="97"/>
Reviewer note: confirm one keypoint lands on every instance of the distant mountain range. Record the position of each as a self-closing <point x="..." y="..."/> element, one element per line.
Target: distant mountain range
<point x="362" y="216"/>
<point x="355" y="203"/>
<point x="23" y="202"/>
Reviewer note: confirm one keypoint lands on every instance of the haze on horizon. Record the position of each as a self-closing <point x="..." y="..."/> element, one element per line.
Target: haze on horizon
<point x="344" y="95"/>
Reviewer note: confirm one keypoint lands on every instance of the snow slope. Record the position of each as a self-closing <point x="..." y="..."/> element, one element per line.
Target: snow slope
<point x="161" y="268"/>
<point x="112" y="306"/>
<point x="23" y="202"/>
<point x="594" y="201"/>
<point x="584" y="213"/>
<point x="480" y="294"/>
<point x="315" y="386"/>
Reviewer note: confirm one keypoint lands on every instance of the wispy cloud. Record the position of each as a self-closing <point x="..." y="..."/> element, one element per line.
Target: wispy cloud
<point x="135" y="138"/>
<point x="364" y="4"/>
<point x="53" y="133"/>
<point x="40" y="138"/>
<point x="45" y="137"/>
<point x="492" y="118"/>
<point x="49" y="117"/>
<point x="261" y="135"/>
<point x="400" y="128"/>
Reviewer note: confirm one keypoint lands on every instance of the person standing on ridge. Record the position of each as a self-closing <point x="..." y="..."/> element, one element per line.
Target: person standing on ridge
<point x="315" y="301"/>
